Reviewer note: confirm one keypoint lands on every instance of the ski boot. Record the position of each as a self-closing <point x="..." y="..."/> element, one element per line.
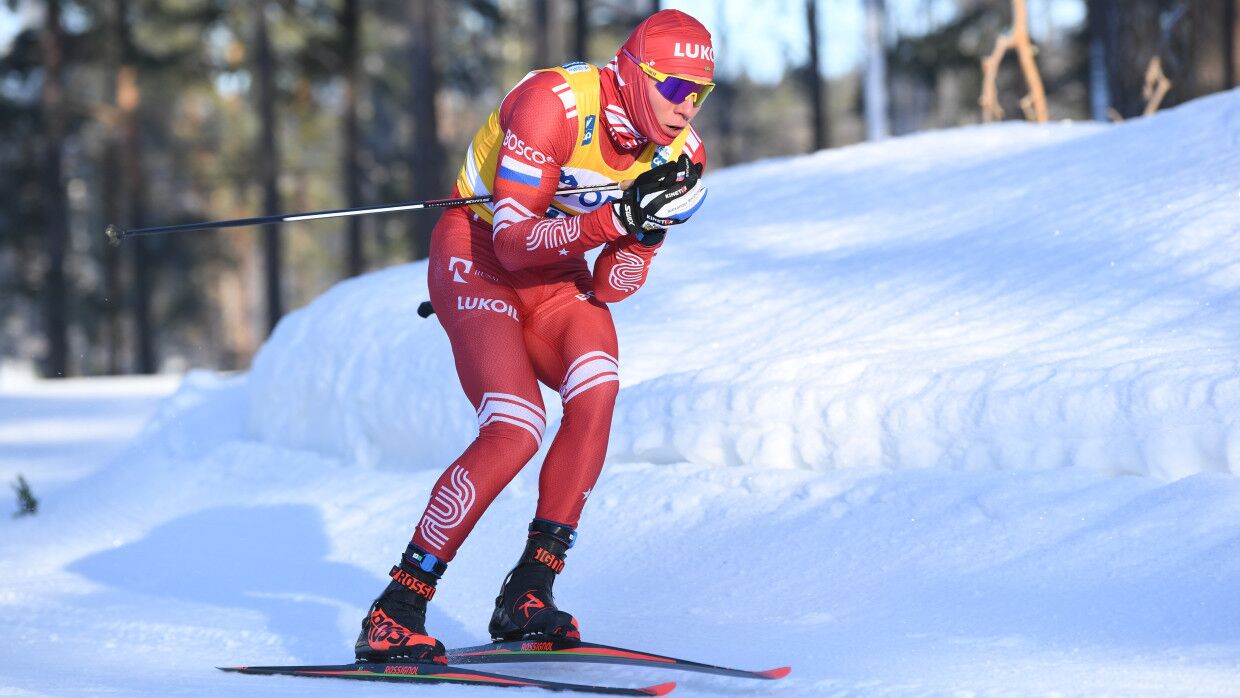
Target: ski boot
<point x="525" y="607"/>
<point x="395" y="627"/>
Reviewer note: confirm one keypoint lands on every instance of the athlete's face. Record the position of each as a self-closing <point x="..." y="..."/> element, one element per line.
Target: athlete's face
<point x="672" y="118"/>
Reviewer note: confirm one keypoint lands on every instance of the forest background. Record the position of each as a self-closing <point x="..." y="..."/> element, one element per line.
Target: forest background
<point x="151" y="113"/>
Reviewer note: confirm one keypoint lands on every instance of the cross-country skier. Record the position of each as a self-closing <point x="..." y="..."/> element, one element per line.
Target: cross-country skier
<point x="511" y="286"/>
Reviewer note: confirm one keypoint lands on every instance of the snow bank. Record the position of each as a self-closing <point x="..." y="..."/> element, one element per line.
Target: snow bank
<point x="961" y="309"/>
<point x="201" y="548"/>
<point x="1009" y="296"/>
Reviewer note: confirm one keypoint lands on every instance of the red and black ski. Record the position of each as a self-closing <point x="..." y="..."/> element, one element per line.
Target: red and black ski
<point x="439" y="673"/>
<point x="569" y="651"/>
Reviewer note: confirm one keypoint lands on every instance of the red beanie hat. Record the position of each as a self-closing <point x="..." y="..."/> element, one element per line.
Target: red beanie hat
<point x="672" y="42"/>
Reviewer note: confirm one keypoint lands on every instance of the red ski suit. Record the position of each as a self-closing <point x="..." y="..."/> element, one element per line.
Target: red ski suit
<point x="521" y="305"/>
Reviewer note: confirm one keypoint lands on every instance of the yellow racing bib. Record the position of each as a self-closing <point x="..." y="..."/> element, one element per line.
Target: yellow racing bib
<point x="585" y="167"/>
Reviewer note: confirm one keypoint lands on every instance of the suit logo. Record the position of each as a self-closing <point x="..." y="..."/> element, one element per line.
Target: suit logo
<point x="465" y="265"/>
<point x="491" y="304"/>
<point x="532" y="604"/>
<point x="589" y="131"/>
<point x="694" y="51"/>
<point x="449" y="506"/>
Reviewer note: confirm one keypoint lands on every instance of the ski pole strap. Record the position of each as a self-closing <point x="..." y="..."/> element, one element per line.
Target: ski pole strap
<point x="565" y="534"/>
<point x="424" y="561"/>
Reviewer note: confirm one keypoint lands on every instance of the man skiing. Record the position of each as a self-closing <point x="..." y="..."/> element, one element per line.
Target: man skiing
<point x="511" y="286"/>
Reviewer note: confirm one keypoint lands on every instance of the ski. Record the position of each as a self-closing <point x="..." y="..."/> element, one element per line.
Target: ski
<point x="439" y="673"/>
<point x="570" y="651"/>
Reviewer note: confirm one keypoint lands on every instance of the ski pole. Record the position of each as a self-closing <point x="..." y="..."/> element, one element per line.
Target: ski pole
<point x="116" y="234"/>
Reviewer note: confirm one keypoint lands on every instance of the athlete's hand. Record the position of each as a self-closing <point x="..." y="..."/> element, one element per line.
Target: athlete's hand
<point x="666" y="195"/>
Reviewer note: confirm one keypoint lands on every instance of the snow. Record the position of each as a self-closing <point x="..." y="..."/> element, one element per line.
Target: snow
<point x="952" y="414"/>
<point x="65" y="430"/>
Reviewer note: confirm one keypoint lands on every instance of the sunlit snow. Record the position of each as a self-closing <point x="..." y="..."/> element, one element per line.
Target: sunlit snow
<point x="952" y="414"/>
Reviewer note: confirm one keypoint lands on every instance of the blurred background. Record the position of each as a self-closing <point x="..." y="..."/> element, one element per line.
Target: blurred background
<point x="148" y="113"/>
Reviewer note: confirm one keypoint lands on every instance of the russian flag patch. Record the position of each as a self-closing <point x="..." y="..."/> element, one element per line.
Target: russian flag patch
<point x="516" y="171"/>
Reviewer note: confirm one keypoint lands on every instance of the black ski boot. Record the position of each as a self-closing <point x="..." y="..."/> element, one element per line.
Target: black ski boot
<point x="525" y="607"/>
<point x="395" y="627"/>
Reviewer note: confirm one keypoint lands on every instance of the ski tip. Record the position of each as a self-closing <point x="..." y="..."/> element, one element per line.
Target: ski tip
<point x="779" y="673"/>
<point x="660" y="690"/>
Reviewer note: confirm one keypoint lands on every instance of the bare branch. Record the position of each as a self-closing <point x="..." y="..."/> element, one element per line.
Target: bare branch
<point x="1156" y="86"/>
<point x="989" y="101"/>
<point x="1034" y="103"/>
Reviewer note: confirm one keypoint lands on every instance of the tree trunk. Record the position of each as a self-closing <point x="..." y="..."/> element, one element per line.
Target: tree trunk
<point x="1197" y="48"/>
<point x="876" y="119"/>
<point x="1099" y="21"/>
<point x="52" y="100"/>
<point x="1231" y="37"/>
<point x="817" y="97"/>
<point x="133" y="184"/>
<point x="268" y="165"/>
<point x="1133" y="38"/>
<point x="355" y="258"/>
<point x="112" y="192"/>
<point x="581" y="30"/>
<point x="129" y="98"/>
<point x="540" y="33"/>
<point x="426" y="153"/>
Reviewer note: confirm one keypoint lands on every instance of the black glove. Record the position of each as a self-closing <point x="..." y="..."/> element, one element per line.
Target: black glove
<point x="664" y="196"/>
